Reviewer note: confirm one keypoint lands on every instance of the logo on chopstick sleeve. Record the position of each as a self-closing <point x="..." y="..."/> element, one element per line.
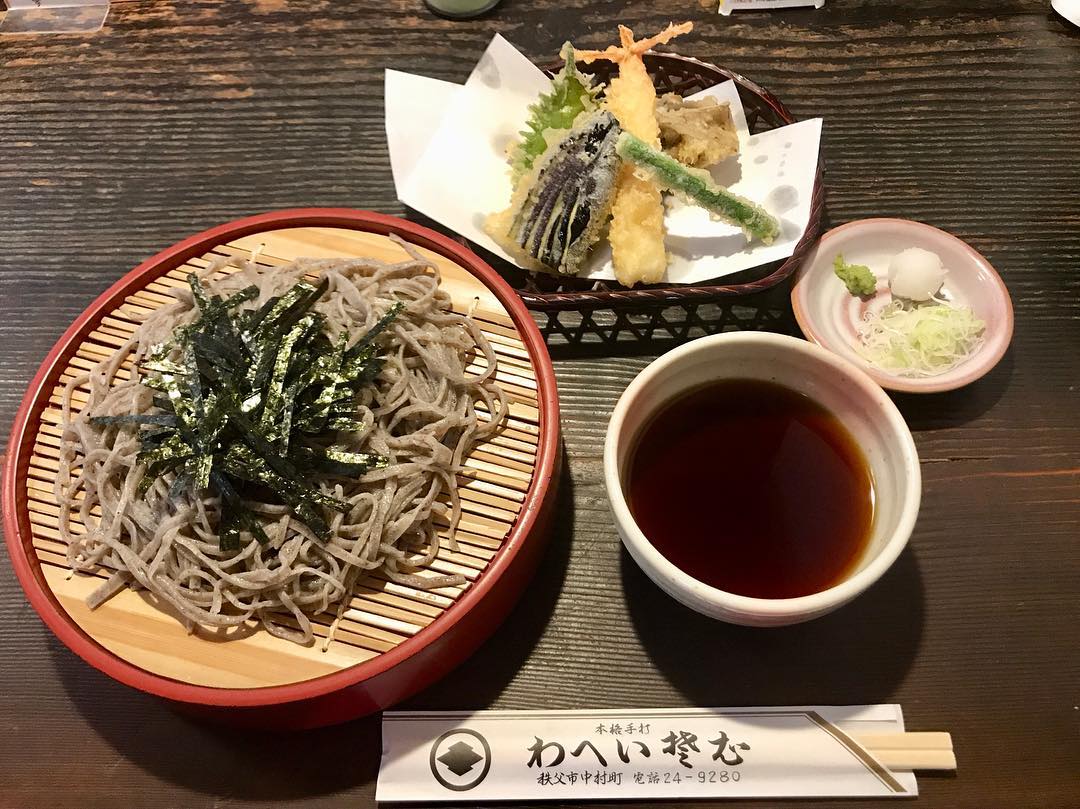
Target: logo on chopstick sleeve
<point x="460" y="759"/>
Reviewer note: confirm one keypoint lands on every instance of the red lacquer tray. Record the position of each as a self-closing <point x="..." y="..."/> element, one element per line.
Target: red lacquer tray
<point x="397" y="641"/>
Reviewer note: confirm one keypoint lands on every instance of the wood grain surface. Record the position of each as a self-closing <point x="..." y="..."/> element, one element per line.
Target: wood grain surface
<point x="182" y="115"/>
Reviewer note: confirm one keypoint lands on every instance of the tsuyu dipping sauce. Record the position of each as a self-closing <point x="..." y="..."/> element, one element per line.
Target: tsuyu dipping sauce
<point x="752" y="488"/>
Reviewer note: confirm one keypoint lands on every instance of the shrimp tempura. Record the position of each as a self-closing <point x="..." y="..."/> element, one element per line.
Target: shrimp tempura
<point x="637" y="222"/>
<point x="631" y="96"/>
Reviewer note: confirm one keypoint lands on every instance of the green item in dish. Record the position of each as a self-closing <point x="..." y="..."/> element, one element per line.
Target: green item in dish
<point x="856" y="277"/>
<point x="699" y="188"/>
<point x="919" y="340"/>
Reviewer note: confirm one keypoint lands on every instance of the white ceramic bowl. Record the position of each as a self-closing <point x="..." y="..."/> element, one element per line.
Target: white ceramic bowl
<point x="862" y="407"/>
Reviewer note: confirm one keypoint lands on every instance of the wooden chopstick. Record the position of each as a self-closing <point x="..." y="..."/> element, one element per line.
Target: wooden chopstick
<point x="916" y="759"/>
<point x="911" y="751"/>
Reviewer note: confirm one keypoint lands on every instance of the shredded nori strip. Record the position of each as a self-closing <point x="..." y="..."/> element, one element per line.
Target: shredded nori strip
<point x="166" y="419"/>
<point x="256" y="398"/>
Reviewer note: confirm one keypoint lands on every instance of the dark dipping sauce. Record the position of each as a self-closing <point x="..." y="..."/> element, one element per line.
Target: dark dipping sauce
<point x="752" y="488"/>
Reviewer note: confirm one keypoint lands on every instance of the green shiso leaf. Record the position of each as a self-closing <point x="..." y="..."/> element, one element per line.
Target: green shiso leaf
<point x="571" y="94"/>
<point x="251" y="402"/>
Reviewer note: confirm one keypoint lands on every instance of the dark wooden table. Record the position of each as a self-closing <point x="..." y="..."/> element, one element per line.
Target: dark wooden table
<point x="181" y="115"/>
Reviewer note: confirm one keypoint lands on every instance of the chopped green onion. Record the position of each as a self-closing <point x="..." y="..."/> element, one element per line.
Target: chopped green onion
<point x="920" y="340"/>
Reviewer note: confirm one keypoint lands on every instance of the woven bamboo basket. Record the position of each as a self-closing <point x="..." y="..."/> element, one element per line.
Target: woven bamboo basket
<point x="604" y="316"/>
<point x="393" y="639"/>
<point x="672" y="73"/>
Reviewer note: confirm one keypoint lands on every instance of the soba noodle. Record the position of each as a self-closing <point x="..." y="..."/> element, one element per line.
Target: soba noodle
<point x="424" y="413"/>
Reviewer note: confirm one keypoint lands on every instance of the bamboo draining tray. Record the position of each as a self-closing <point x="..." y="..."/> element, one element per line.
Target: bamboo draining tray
<point x="495" y="486"/>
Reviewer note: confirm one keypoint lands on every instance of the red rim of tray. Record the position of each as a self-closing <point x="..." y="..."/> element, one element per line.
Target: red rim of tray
<point x="13" y="491"/>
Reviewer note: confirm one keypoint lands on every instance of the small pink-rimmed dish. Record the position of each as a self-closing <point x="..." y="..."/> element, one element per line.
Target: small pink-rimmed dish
<point x="829" y="315"/>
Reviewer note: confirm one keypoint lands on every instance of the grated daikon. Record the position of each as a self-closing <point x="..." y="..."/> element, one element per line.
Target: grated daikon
<point x="916" y="274"/>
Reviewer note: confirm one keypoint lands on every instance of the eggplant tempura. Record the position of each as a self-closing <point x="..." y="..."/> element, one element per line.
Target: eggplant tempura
<point x="588" y="160"/>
